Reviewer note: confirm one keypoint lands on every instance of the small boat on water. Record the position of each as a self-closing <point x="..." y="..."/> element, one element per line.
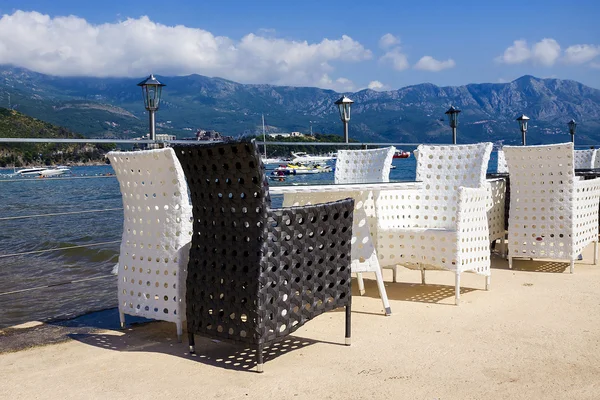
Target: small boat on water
<point x="54" y="172"/>
<point x="30" y="171"/>
<point x="303" y="157"/>
<point x="401" y="154"/>
<point x="300" y="169"/>
<point x="270" y="160"/>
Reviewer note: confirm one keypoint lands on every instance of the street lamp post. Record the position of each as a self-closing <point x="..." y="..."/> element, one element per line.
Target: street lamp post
<point x="151" y="91"/>
<point x="572" y="126"/>
<point x="344" y="104"/>
<point x="523" y="124"/>
<point x="452" y="114"/>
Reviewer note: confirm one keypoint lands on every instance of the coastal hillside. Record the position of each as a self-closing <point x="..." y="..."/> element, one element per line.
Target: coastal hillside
<point x="112" y="107"/>
<point x="15" y="124"/>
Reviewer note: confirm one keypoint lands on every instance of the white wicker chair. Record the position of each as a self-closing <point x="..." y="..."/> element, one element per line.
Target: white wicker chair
<point x="596" y="159"/>
<point x="552" y="215"/>
<point x="157" y="231"/>
<point x="357" y="166"/>
<point x="364" y="166"/>
<point x="444" y="224"/>
<point x="584" y="159"/>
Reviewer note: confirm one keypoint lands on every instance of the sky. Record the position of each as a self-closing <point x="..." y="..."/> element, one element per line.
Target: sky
<point x="382" y="45"/>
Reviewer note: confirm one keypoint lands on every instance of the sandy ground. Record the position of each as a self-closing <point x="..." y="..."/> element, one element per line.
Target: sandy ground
<point x="534" y="335"/>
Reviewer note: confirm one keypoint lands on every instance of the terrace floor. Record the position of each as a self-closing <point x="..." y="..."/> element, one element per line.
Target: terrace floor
<point x="534" y="335"/>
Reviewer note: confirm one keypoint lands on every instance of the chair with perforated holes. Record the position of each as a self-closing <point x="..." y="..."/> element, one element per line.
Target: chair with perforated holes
<point x="501" y="166"/>
<point x="443" y="224"/>
<point x="364" y="166"/>
<point x="356" y="166"/>
<point x="552" y="214"/>
<point x="584" y="159"/>
<point x="258" y="274"/>
<point x="157" y="230"/>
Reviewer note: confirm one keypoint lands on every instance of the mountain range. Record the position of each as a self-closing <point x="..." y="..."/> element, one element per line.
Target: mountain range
<point x="113" y="108"/>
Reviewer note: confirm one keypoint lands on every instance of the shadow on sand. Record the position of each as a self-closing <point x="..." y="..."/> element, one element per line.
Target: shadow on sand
<point x="160" y="337"/>
<point x="415" y="292"/>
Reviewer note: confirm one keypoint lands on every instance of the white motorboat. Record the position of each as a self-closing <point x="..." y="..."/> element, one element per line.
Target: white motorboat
<point x="301" y="169"/>
<point x="303" y="157"/>
<point x="30" y="171"/>
<point x="54" y="171"/>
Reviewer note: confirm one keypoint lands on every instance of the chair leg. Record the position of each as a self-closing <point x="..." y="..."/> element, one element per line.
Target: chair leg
<point x="259" y="358"/>
<point x="422" y="275"/>
<point x="595" y="252"/>
<point x="572" y="269"/>
<point x="348" y="324"/>
<point x="361" y="283"/>
<point x="502" y="248"/>
<point x="395" y="273"/>
<point x="510" y="260"/>
<point x="179" y="331"/>
<point x="382" y="292"/>
<point x="457" y="289"/>
<point x="191" y="342"/>
<point x="122" y="318"/>
<point x="488" y="279"/>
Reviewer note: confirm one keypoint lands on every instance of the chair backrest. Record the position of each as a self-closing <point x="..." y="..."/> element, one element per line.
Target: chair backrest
<point x="596" y="159"/>
<point x="157" y="231"/>
<point x="502" y="167"/>
<point x="230" y="199"/>
<point x="584" y="159"/>
<point x="448" y="167"/>
<point x="364" y="166"/>
<point x="541" y="198"/>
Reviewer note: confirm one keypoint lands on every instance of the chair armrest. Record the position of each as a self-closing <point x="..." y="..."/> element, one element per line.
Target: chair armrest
<point x="305" y="268"/>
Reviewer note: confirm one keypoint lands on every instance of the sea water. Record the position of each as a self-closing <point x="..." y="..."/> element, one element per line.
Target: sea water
<point x="68" y="281"/>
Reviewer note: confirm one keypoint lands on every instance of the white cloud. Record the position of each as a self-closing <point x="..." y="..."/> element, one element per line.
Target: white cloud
<point x="396" y="58"/>
<point x="339" y="84"/>
<point x="428" y="63"/>
<point x="135" y="47"/>
<point x="581" y="53"/>
<point x="376" y="85"/>
<point x="546" y="52"/>
<point x="388" y="40"/>
<point x="515" y="54"/>
<point x="595" y="65"/>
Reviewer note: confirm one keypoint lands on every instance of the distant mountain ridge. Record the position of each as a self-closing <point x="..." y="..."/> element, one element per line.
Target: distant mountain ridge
<point x="112" y="107"/>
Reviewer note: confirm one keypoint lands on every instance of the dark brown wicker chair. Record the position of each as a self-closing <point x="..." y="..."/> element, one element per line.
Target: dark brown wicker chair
<point x="257" y="274"/>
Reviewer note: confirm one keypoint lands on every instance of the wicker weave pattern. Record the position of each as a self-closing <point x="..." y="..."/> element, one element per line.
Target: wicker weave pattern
<point x="466" y="248"/>
<point x="444" y="224"/>
<point x="584" y="159"/>
<point x="156" y="234"/>
<point x="256" y="274"/>
<point x="364" y="166"/>
<point x="552" y="215"/>
<point x="443" y="169"/>
<point x="364" y="258"/>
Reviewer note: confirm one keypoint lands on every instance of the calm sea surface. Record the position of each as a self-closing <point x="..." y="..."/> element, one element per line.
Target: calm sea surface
<point x="72" y="281"/>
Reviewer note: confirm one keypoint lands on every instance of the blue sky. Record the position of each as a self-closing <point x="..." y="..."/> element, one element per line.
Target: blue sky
<point x="381" y="44"/>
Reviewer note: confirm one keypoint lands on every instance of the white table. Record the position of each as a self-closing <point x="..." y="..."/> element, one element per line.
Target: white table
<point x="364" y="228"/>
